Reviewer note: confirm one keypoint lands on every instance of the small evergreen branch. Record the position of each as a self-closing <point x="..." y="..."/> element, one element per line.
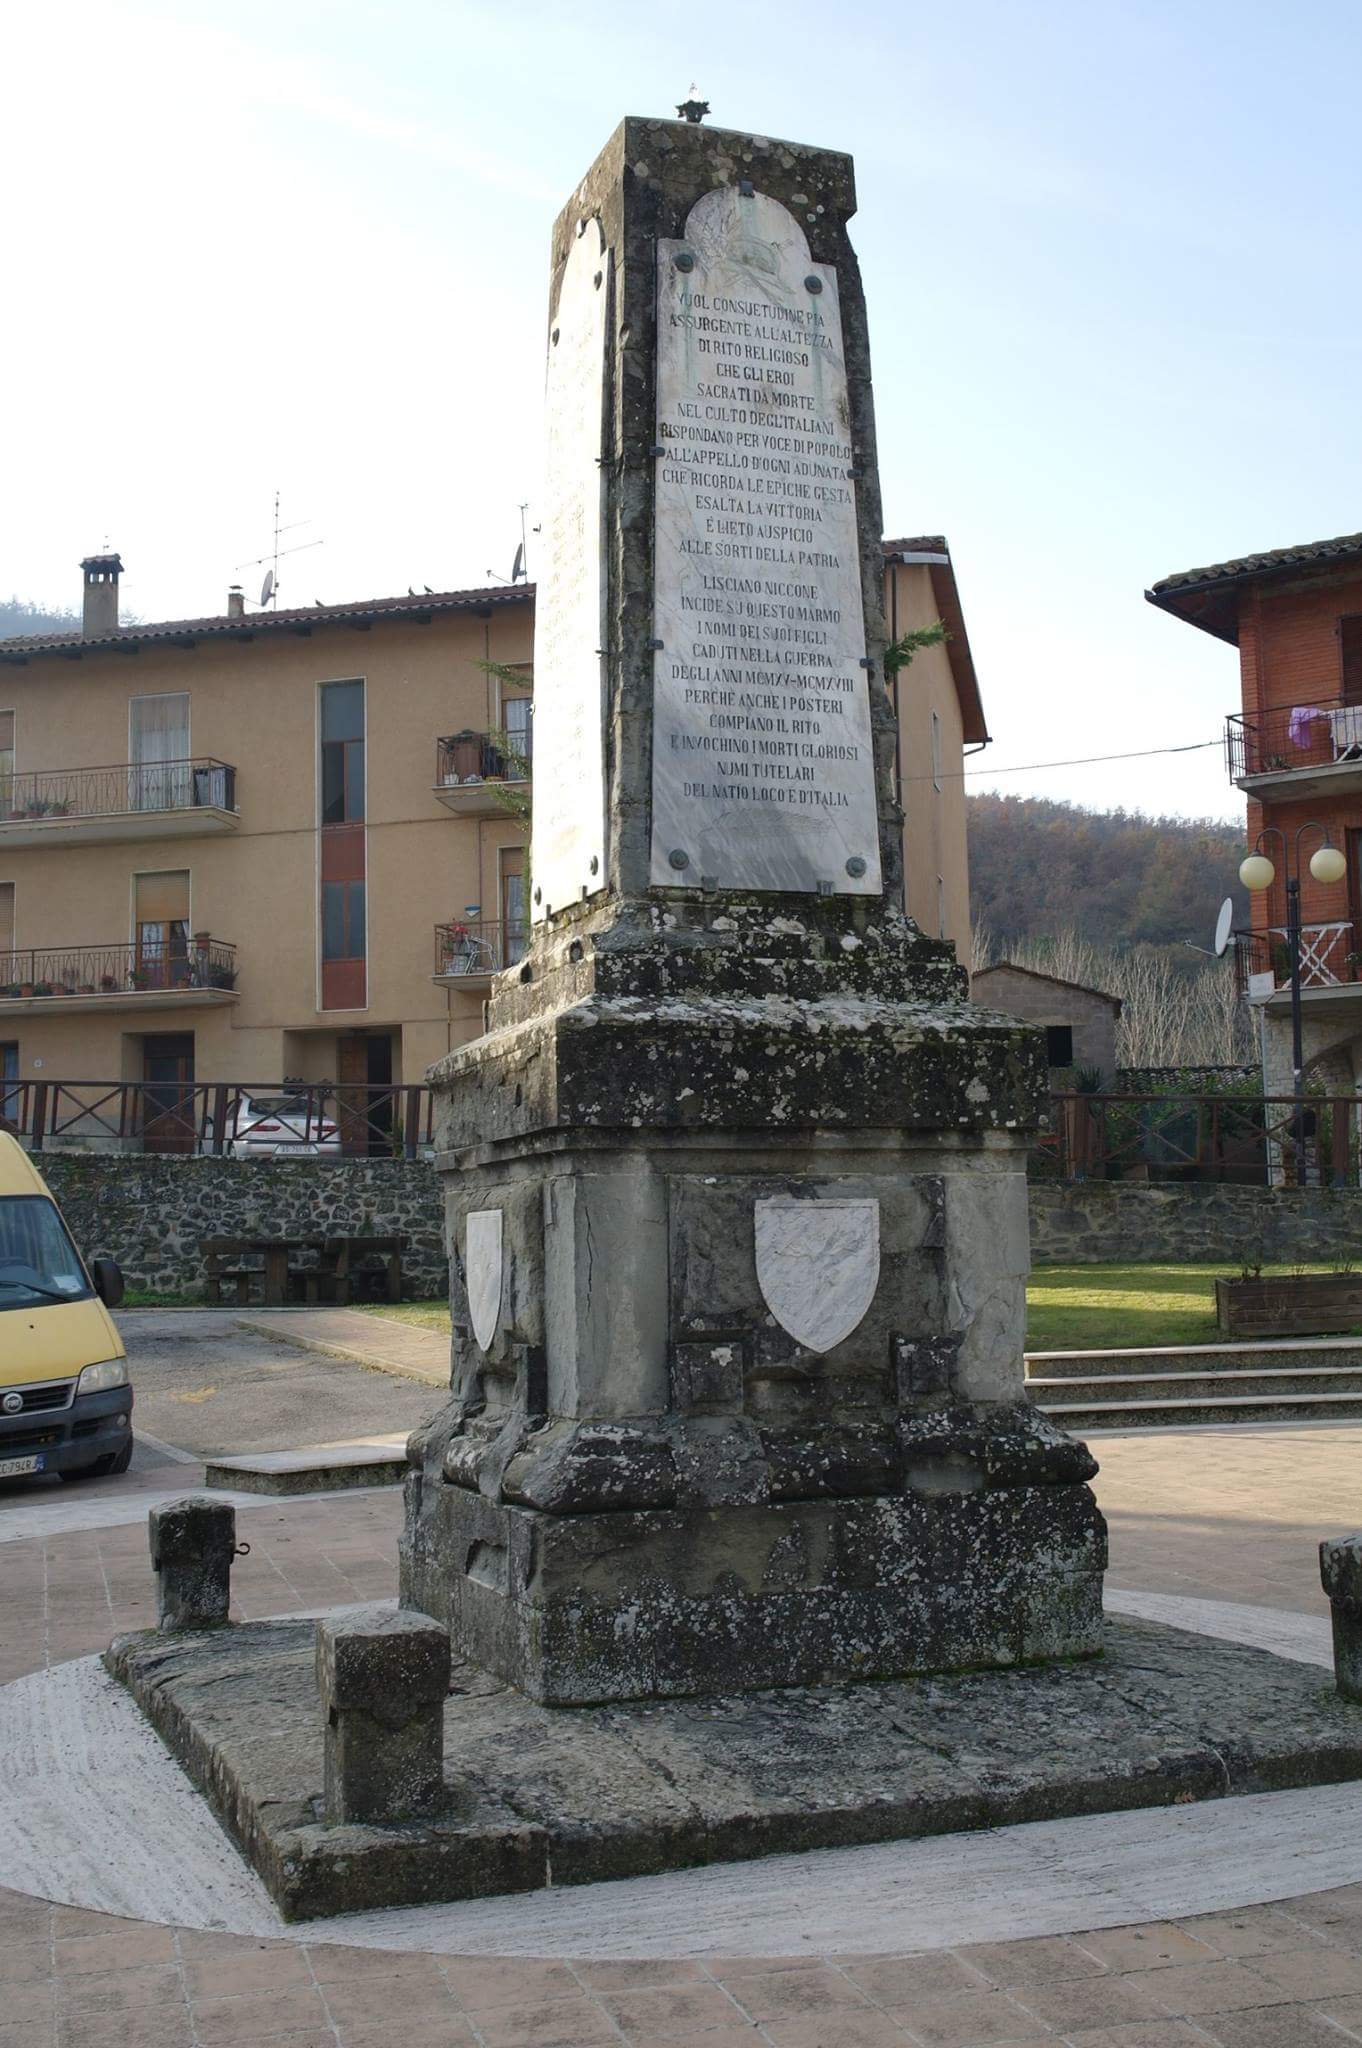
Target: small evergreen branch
<point x="899" y="653"/>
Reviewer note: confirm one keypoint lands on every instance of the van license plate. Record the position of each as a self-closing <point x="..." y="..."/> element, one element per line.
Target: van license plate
<point x="14" y="1468"/>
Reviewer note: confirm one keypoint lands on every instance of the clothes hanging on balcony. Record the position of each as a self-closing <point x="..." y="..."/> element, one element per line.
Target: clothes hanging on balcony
<point x="1299" y="727"/>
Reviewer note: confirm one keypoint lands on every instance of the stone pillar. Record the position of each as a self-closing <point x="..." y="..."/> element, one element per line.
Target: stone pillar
<point x="193" y="1541"/>
<point x="1340" y="1571"/>
<point x="383" y="1674"/>
<point x="736" y="1194"/>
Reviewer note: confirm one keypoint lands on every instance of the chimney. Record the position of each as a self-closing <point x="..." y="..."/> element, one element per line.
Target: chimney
<point x="101" y="594"/>
<point x="236" y="602"/>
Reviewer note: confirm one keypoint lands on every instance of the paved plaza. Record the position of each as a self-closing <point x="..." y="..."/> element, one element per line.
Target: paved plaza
<point x="765" y="1953"/>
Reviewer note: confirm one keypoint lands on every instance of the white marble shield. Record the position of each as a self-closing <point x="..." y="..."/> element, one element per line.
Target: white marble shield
<point x="483" y="1266"/>
<point x="818" y="1264"/>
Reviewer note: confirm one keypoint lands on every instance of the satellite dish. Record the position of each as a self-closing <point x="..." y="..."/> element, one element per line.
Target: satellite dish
<point x="1222" y="926"/>
<point x="518" y="566"/>
<point x="267" y="587"/>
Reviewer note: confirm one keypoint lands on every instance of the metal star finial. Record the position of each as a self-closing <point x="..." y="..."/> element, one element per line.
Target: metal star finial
<point x="693" y="109"/>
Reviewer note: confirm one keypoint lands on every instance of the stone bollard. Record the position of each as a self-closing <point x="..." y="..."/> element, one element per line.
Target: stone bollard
<point x="1340" y="1571"/>
<point x="193" y="1541"/>
<point x="383" y="1674"/>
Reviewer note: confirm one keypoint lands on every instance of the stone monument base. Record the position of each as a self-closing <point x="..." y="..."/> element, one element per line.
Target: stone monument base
<point x="535" y="1795"/>
<point x="580" y="1608"/>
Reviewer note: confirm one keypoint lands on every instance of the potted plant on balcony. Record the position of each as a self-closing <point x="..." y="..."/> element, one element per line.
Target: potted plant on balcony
<point x="221" y="976"/>
<point x="457" y="947"/>
<point x="108" y="982"/>
<point x="139" y="977"/>
<point x="26" y="988"/>
<point x="43" y="988"/>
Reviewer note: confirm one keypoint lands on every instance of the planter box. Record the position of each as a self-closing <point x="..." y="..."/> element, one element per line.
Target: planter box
<point x="1292" y="1305"/>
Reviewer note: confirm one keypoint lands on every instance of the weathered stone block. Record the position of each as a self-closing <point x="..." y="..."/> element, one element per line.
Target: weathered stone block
<point x="609" y="1606"/>
<point x="382" y="1674"/>
<point x="193" y="1541"/>
<point x="1340" y="1570"/>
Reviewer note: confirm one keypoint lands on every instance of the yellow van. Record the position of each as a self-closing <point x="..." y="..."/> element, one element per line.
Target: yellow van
<point x="65" y="1399"/>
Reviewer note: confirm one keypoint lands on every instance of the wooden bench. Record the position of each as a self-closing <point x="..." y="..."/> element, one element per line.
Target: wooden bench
<point x="217" y="1251"/>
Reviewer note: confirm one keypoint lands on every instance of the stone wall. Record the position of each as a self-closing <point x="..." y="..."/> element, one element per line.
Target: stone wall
<point x="1084" y="1222"/>
<point x="149" y="1213"/>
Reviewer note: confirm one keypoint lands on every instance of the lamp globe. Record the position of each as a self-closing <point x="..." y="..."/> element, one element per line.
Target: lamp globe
<point x="1257" y="872"/>
<point x="1328" y="865"/>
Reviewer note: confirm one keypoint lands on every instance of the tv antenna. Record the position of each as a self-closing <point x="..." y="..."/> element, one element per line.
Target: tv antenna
<point x="269" y="589"/>
<point x="520" y="566"/>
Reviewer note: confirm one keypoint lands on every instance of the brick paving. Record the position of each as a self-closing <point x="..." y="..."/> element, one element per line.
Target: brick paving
<point x="1231" y="1516"/>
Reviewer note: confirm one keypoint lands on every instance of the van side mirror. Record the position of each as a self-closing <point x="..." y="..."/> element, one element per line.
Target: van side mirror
<point x="107" y="1275"/>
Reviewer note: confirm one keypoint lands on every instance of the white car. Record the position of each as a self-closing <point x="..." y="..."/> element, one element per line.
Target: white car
<point x="266" y="1126"/>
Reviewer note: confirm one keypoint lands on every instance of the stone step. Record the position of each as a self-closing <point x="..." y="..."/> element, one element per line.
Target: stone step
<point x="1184" y="1386"/>
<point x="1084" y="1418"/>
<point x="317" y="1468"/>
<point x="1285" y="1353"/>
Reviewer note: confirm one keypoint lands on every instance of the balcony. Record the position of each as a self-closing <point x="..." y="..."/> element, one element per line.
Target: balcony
<point x="42" y="980"/>
<point x="1296" y="750"/>
<point x="166" y="800"/>
<point x="476" y="778"/>
<point x="468" y="955"/>
<point x="1331" y="966"/>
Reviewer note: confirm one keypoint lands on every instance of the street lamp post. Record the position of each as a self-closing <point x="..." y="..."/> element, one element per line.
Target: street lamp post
<point x="1257" y="873"/>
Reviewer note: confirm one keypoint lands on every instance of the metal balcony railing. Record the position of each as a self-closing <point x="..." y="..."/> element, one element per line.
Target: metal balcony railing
<point x="118" y="791"/>
<point x="110" y="970"/>
<point x="1320" y="734"/>
<point x="483" y="946"/>
<point x="473" y="757"/>
<point x="1329" y="957"/>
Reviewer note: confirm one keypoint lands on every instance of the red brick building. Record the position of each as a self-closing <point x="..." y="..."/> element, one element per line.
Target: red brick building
<point x="1295" y="749"/>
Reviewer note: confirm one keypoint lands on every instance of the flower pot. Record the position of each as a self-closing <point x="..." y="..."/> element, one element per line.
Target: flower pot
<point x="1290" y="1305"/>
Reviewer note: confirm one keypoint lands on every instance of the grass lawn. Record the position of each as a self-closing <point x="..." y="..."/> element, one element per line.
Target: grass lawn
<point x="427" y="1315"/>
<point x="1106" y="1308"/>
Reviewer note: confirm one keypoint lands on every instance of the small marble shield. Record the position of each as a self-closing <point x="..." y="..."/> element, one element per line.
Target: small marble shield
<point x="818" y="1264"/>
<point x="483" y="1266"/>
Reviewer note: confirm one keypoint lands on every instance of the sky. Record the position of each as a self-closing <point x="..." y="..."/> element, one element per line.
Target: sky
<point x="1109" y="252"/>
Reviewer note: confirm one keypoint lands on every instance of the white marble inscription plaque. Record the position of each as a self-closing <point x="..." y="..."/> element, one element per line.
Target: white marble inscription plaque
<point x="818" y="1265"/>
<point x="567" y="857"/>
<point x="483" y="1268"/>
<point x="763" y="775"/>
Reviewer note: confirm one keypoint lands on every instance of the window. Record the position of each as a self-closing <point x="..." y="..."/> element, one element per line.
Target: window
<point x="342" y="721"/>
<point x="513" y="906"/>
<point x="6" y="923"/>
<point x="6" y="763"/>
<point x="37" y="1258"/>
<point x="1350" y="642"/>
<point x="518" y="713"/>
<point x="936" y="751"/>
<point x="1059" y="1045"/>
<point x="342" y="920"/>
<point x="161" y="928"/>
<point x="941" y="906"/>
<point x="158" y="732"/>
<point x="9" y="1078"/>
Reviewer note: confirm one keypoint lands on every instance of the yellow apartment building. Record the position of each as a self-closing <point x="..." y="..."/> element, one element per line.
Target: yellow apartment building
<point x="285" y="844"/>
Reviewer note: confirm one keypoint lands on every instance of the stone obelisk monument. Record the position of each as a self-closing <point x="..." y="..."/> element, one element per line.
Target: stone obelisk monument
<point x="735" y="1183"/>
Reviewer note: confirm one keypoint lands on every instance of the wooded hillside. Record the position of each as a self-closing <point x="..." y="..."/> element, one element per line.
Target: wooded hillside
<point x="1114" y="877"/>
<point x="17" y="617"/>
